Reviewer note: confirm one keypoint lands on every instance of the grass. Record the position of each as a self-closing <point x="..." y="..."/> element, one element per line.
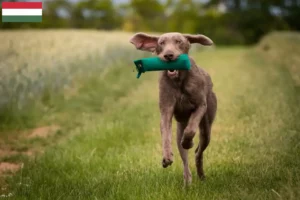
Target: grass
<point x="112" y="149"/>
<point x="284" y="48"/>
<point x="38" y="66"/>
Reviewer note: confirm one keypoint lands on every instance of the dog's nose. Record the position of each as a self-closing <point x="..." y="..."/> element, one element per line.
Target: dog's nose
<point x="169" y="56"/>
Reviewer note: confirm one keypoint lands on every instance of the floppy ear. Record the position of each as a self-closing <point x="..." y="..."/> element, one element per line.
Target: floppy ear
<point x="201" y="39"/>
<point x="144" y="42"/>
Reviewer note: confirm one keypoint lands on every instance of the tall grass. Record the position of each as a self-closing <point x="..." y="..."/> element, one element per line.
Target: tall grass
<point x="283" y="48"/>
<point x="37" y="66"/>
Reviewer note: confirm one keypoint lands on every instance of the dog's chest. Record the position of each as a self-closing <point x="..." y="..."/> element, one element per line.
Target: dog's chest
<point x="184" y="105"/>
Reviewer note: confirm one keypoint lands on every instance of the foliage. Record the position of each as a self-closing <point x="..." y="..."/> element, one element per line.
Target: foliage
<point x="226" y="22"/>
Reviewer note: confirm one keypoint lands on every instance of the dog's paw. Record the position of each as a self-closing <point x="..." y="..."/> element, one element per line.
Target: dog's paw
<point x="187" y="143"/>
<point x="187" y="139"/>
<point x="201" y="174"/>
<point x="167" y="161"/>
<point x="202" y="177"/>
<point x="187" y="177"/>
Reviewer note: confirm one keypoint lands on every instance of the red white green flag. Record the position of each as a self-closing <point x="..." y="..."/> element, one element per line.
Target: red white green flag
<point x="22" y="11"/>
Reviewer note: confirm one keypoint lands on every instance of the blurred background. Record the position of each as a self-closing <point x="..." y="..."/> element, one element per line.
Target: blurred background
<point x="226" y="21"/>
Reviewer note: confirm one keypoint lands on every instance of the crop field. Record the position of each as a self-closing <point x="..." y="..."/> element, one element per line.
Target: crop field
<point x="34" y="65"/>
<point x="75" y="123"/>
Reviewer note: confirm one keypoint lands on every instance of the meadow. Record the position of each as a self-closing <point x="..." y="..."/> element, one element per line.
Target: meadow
<point x="106" y="140"/>
<point x="37" y="64"/>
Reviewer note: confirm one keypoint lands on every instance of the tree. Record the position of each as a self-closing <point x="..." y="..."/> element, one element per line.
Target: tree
<point x="148" y="13"/>
<point x="185" y="16"/>
<point x="99" y="14"/>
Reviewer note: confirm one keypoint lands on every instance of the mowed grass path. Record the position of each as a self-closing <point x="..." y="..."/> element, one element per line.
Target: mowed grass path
<point x="254" y="151"/>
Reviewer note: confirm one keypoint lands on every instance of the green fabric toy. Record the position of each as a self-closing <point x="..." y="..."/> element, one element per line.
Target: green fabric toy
<point x="156" y="64"/>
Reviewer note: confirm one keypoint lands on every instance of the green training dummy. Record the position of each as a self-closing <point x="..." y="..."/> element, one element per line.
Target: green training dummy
<point x="156" y="64"/>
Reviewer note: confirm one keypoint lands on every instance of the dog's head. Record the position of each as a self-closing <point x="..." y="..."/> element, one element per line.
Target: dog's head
<point x="168" y="46"/>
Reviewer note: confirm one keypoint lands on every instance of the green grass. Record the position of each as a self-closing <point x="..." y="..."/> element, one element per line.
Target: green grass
<point x="284" y="48"/>
<point x="39" y="68"/>
<point x="113" y="148"/>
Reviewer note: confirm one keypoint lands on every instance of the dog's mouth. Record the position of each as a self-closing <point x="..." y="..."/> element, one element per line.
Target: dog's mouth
<point x="172" y="73"/>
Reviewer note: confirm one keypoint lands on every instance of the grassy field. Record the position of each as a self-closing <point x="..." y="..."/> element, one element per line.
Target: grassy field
<point x="38" y="66"/>
<point x="107" y="145"/>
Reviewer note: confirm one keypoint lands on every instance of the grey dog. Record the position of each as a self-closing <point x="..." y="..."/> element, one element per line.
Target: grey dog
<point x="186" y="95"/>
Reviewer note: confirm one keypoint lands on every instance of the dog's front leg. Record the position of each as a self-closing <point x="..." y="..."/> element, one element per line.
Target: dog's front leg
<point x="167" y="103"/>
<point x="166" y="133"/>
<point x="194" y="121"/>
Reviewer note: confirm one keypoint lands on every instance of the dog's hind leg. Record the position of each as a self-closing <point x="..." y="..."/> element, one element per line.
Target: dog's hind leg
<point x="205" y="131"/>
<point x="183" y="154"/>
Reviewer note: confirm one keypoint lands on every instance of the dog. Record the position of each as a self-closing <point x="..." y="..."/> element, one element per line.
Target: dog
<point x="186" y="95"/>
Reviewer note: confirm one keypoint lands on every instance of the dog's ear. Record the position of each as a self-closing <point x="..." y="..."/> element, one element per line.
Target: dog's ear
<point x="201" y="39"/>
<point x="144" y="42"/>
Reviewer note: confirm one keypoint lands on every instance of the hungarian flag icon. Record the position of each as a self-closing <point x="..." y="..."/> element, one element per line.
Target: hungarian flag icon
<point x="22" y="11"/>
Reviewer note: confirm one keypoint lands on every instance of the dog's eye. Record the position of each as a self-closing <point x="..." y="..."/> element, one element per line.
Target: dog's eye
<point x="162" y="43"/>
<point x="178" y="41"/>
